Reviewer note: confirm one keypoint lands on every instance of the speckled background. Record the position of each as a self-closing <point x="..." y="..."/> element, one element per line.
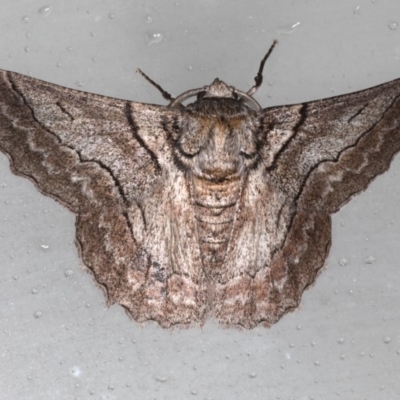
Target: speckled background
<point x="58" y="340"/>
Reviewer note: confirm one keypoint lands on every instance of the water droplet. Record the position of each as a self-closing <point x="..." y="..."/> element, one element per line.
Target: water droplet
<point x="110" y="387"/>
<point x="341" y="340"/>
<point x="69" y="48"/>
<point x="76" y="371"/>
<point x="68" y="273"/>
<point x="25" y="19"/>
<point x="58" y="65"/>
<point x="193" y="392"/>
<point x="343" y="262"/>
<point x="288" y="29"/>
<point x="80" y="84"/>
<point x="45" y="246"/>
<point x="3" y="185"/>
<point x="342" y="356"/>
<point x="149" y="20"/>
<point x="88" y="305"/>
<point x="252" y="375"/>
<point x="393" y="25"/>
<point x="189" y="67"/>
<point x="369" y="260"/>
<point x="161" y="378"/>
<point x="317" y="363"/>
<point x="34" y="291"/>
<point x="92" y="34"/>
<point x="37" y="314"/>
<point x="111" y="16"/>
<point x="154" y="38"/>
<point x="28" y="35"/>
<point x="45" y="11"/>
<point x="27" y="49"/>
<point x="15" y="277"/>
<point x="387" y="339"/>
<point x="356" y="11"/>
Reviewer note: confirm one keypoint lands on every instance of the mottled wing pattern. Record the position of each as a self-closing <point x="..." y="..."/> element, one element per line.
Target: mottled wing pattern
<point x="107" y="160"/>
<point x="316" y="156"/>
<point x="113" y="163"/>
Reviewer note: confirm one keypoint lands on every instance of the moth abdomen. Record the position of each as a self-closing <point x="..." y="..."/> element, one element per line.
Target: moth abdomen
<point x="215" y="206"/>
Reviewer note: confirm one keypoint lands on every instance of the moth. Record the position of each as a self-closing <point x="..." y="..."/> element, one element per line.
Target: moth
<point x="219" y="208"/>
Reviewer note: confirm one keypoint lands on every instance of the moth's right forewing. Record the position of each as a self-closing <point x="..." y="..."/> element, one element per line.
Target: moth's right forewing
<point x="109" y="161"/>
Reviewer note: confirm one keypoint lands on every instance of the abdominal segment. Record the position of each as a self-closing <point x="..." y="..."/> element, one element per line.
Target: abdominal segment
<point x="215" y="205"/>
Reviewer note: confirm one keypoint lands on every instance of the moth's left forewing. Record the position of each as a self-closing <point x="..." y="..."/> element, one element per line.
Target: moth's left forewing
<point x="354" y="134"/>
<point x="315" y="156"/>
<point x="339" y="146"/>
<point x="368" y="130"/>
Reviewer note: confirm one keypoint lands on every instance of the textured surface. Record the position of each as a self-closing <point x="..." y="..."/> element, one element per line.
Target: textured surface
<point x="213" y="210"/>
<point x="333" y="345"/>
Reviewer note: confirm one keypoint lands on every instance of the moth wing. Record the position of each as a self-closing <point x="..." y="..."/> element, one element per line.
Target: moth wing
<point x="108" y="160"/>
<point x="335" y="146"/>
<point x="317" y="155"/>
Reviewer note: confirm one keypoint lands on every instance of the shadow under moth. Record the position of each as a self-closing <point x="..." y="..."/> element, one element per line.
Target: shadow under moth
<point x="215" y="209"/>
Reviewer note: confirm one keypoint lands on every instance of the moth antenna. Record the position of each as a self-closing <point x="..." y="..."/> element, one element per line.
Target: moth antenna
<point x="259" y="76"/>
<point x="164" y="93"/>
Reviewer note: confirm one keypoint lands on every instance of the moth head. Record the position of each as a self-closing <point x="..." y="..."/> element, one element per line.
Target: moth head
<point x="219" y="90"/>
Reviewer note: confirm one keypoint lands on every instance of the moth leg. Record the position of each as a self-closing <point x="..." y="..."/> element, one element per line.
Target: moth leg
<point x="164" y="93"/>
<point x="259" y="76"/>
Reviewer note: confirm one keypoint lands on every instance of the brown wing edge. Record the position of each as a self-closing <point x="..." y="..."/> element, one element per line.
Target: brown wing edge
<point x="103" y="227"/>
<point x="309" y="236"/>
<point x="91" y="194"/>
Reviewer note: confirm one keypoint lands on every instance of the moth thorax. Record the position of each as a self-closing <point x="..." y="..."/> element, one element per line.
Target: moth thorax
<point x="218" y="148"/>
